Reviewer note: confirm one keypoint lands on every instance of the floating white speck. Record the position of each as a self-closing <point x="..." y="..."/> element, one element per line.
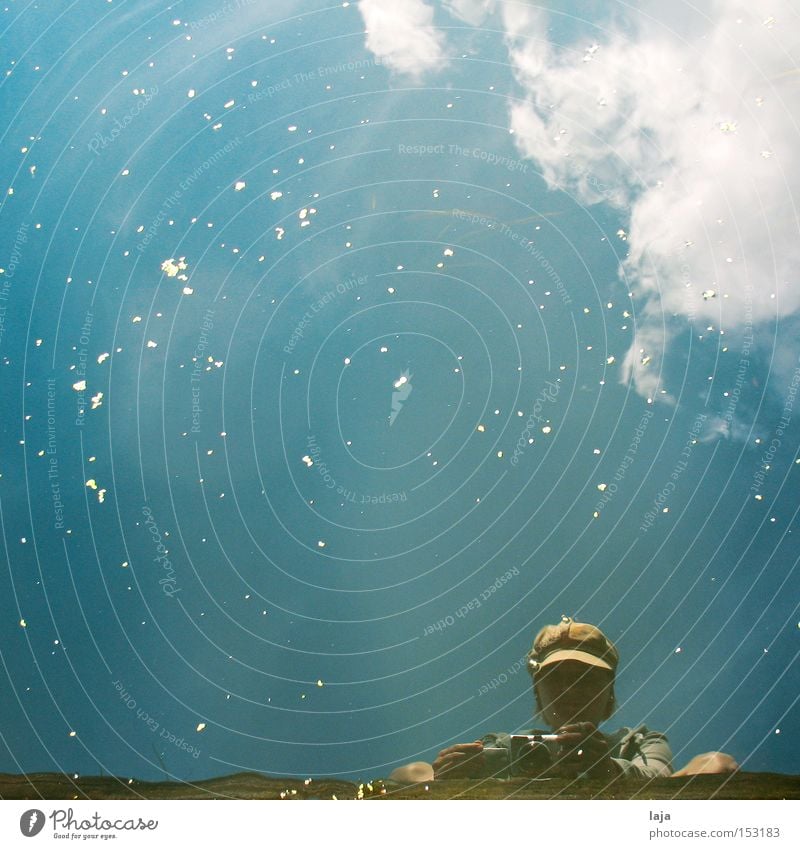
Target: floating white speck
<point x="79" y="386"/>
<point x="602" y="487"/>
<point x="275" y="195"/>
<point x="152" y="344"/>
<point x="546" y="429"/>
<point x="384" y="349"/>
<point x="709" y="294"/>
<point x="136" y="319"/>
<point x="200" y="726"/>
<point x="91" y="483"/>
<point x="187" y="290"/>
<point x="320" y="543"/>
<point x="292" y="128"/>
<point x="319" y="684"/>
<point x="279" y="231"/>
<point x="307" y="460"/>
<point x="303" y="213"/>
<point x="103" y="357"/>
<point x="448" y="251"/>
<point x="610" y="360"/>
<point x="481" y="428"/>
<point x="347" y="361"/>
<point x="239" y="185"/>
<point x="97" y="400"/>
<point x="191" y="93"/>
<point x="23" y="623"/>
<point x="171" y="268"/>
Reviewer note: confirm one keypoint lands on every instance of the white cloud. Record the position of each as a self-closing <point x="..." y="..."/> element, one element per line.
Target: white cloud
<point x="474" y="12"/>
<point x="694" y="133"/>
<point x="402" y="35"/>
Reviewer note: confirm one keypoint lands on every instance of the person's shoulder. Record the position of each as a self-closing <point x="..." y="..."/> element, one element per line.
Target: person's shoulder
<point x="639" y="730"/>
<point x="627" y="741"/>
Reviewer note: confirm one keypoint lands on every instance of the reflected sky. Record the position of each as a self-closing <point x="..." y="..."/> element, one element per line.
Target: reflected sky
<point x="345" y="345"/>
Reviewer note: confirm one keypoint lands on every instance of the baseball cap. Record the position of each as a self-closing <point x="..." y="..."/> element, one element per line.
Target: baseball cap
<point x="570" y="640"/>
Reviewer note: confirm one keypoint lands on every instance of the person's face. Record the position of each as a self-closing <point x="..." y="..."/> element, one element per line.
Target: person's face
<point x="571" y="691"/>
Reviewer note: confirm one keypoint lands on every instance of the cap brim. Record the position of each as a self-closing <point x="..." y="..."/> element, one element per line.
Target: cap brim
<point x="574" y="654"/>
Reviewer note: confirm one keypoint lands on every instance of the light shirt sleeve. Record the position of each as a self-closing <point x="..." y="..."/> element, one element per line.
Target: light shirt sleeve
<point x="650" y="755"/>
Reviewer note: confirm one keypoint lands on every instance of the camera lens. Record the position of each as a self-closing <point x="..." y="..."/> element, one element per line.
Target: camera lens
<point x="529" y="757"/>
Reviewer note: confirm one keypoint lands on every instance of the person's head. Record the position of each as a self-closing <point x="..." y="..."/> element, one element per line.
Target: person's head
<point x="573" y="665"/>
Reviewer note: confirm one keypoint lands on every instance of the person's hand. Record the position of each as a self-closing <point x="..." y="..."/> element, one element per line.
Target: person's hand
<point x="585" y="749"/>
<point x="464" y="760"/>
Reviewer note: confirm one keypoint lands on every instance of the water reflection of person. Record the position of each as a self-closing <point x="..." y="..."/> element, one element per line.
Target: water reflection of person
<point x="573" y="667"/>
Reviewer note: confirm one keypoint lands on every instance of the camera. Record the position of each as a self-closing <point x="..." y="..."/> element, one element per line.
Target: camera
<point x="533" y="754"/>
<point x="529" y="756"/>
